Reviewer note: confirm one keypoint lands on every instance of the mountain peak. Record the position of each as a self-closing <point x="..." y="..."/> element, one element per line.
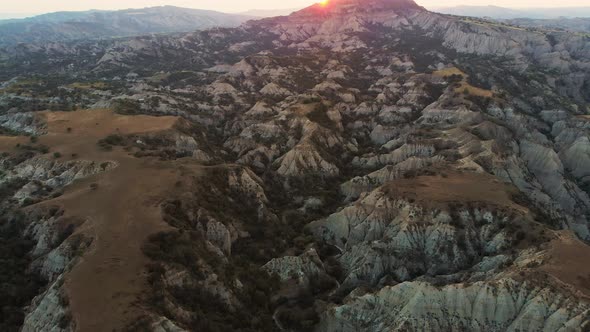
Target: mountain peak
<point x="335" y="16"/>
<point x="347" y="6"/>
<point x="368" y="4"/>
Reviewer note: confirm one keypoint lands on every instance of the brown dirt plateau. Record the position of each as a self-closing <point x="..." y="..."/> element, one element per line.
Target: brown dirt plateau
<point x="456" y="187"/>
<point x="121" y="210"/>
<point x="89" y="126"/>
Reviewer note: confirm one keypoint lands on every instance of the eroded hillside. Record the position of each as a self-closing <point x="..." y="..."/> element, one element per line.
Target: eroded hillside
<point x="359" y="166"/>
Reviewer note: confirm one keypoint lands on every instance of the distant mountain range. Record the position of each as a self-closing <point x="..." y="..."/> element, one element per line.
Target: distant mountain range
<point x="567" y="19"/>
<point x="6" y="16"/>
<point x="96" y="24"/>
<point x="510" y="13"/>
<point x="579" y="24"/>
<point x="61" y="26"/>
<point x="269" y="12"/>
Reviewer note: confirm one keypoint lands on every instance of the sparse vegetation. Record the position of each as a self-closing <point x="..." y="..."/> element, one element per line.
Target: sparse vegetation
<point x="455" y="75"/>
<point x="89" y="85"/>
<point x="33" y="148"/>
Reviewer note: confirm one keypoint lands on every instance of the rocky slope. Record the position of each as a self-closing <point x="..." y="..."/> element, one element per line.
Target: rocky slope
<point x="501" y="305"/>
<point x="361" y="165"/>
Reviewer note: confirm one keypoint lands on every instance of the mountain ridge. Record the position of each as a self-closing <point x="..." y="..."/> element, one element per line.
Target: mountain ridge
<point x="63" y="26"/>
<point x="498" y="12"/>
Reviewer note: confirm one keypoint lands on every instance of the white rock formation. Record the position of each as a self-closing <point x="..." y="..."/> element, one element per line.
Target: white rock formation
<point x="501" y="305"/>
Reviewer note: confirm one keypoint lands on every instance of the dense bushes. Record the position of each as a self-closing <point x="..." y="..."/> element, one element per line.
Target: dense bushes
<point x="18" y="285"/>
<point x="33" y="148"/>
<point x="179" y="249"/>
<point x="186" y="250"/>
<point x="240" y="273"/>
<point x="108" y="142"/>
<point x="253" y="292"/>
<point x="126" y="106"/>
<point x="8" y="188"/>
<point x="319" y="116"/>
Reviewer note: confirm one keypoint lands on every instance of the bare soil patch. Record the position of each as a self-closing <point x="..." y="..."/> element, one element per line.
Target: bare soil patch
<point x="454" y="186"/>
<point x="121" y="208"/>
<point x="8" y="143"/>
<point x="569" y="262"/>
<point x="463" y="84"/>
<point x="104" y="122"/>
<point x="77" y="133"/>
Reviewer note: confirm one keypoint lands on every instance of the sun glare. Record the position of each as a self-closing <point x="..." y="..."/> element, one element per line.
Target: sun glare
<point x="324" y="2"/>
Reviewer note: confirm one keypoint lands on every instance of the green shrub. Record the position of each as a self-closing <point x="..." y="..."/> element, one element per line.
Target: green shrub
<point x="43" y="149"/>
<point x="127" y="106"/>
<point x="108" y="142"/>
<point x="28" y="201"/>
<point x="114" y="140"/>
<point x="319" y="115"/>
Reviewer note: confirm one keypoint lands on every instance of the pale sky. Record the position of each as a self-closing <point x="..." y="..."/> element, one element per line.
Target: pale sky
<point x="44" y="6"/>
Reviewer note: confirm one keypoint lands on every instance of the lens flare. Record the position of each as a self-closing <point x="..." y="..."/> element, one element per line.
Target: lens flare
<point x="324" y="3"/>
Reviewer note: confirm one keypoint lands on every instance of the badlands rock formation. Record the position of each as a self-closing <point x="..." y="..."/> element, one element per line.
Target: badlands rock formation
<point x="501" y="305"/>
<point x="358" y="166"/>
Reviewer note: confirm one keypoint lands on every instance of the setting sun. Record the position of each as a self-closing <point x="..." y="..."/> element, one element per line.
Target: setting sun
<point x="324" y="2"/>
